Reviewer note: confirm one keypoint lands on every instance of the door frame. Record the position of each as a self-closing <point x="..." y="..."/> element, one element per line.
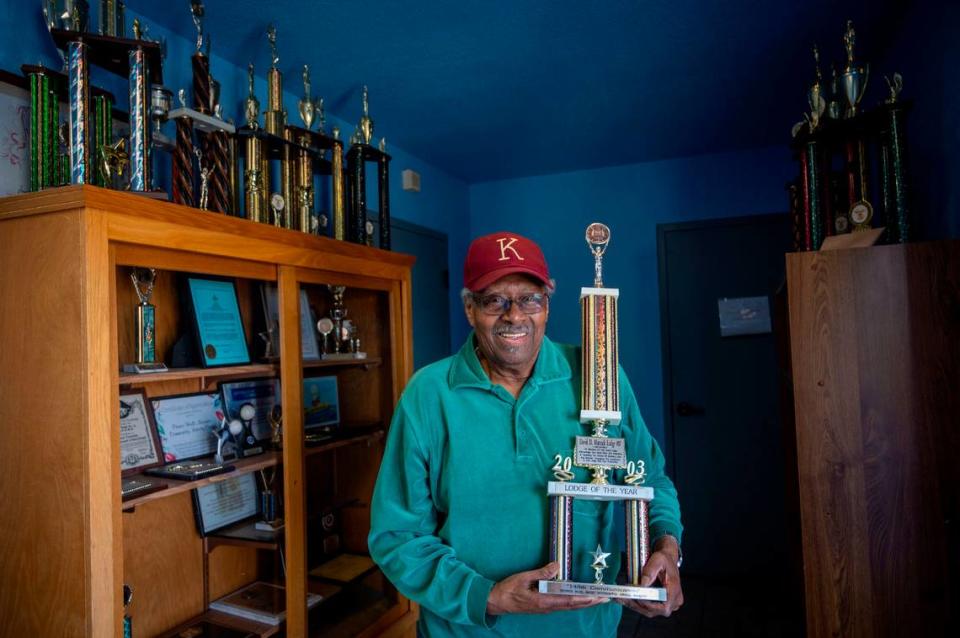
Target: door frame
<point x="666" y="353"/>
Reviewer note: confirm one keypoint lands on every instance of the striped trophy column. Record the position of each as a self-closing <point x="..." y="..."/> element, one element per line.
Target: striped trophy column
<point x="561" y="535"/>
<point x="600" y="384"/>
<point x="140" y="170"/>
<point x="80" y="169"/>
<point x="637" y="538"/>
<point x="183" y="163"/>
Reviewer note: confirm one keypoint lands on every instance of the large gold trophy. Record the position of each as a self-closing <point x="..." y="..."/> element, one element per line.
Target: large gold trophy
<point x="600" y="407"/>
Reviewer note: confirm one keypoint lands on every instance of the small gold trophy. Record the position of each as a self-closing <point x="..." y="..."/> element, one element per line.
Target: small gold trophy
<point x="143" y="282"/>
<point x="600" y="407"/>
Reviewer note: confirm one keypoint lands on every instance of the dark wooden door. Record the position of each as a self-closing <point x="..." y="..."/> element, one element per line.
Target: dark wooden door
<point x="722" y="413"/>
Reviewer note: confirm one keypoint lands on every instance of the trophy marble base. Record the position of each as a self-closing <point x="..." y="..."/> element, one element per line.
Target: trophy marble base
<point x="570" y="588"/>
<point x="144" y="368"/>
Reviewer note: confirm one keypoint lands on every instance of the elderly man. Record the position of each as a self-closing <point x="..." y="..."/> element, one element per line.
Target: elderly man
<point x="460" y="513"/>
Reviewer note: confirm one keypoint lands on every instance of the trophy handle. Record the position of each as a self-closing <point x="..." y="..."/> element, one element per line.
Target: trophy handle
<point x="866" y="78"/>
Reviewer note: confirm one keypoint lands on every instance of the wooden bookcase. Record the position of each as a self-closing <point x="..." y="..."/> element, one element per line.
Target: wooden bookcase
<point x="66" y="325"/>
<point x="875" y="352"/>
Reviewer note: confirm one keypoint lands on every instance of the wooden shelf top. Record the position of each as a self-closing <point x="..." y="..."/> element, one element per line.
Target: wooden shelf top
<point x="206" y="375"/>
<point x="367" y="434"/>
<point x="364" y="434"/>
<point x="146" y="223"/>
<point x="176" y="374"/>
<point x="242" y="466"/>
<point x="244" y="535"/>
<point x="369" y="362"/>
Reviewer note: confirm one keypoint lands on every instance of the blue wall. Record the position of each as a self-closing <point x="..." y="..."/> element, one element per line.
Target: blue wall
<point x="442" y="204"/>
<point x="554" y="210"/>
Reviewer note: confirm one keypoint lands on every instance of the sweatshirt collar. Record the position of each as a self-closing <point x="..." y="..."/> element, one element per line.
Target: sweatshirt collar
<point x="466" y="370"/>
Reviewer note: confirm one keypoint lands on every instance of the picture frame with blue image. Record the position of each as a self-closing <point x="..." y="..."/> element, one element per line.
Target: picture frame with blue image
<point x="262" y="393"/>
<point x="321" y="403"/>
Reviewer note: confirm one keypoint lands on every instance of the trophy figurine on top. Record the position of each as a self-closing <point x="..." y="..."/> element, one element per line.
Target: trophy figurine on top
<point x="600" y="407"/>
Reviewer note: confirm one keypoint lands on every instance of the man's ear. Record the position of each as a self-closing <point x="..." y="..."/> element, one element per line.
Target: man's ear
<point x="468" y="310"/>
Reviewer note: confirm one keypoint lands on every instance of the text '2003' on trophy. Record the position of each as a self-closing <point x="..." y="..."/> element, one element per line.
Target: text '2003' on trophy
<point x="600" y="407"/>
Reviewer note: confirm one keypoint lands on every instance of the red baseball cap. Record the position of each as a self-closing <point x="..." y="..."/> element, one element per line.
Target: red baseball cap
<point x="500" y="254"/>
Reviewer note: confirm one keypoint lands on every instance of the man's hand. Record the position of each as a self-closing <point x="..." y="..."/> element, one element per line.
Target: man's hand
<point x="518" y="594"/>
<point x="662" y="566"/>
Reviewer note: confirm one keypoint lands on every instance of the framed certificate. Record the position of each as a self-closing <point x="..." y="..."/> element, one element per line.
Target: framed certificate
<point x="320" y="403"/>
<point x="225" y="502"/>
<point x="185" y="424"/>
<point x="139" y="443"/>
<point x="217" y="323"/>
<point x="309" y="348"/>
<point x="262" y="394"/>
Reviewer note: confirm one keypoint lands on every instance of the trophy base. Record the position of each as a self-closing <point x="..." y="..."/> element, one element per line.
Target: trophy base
<point x="570" y="588"/>
<point x="343" y="356"/>
<point x="251" y="451"/>
<point x="269" y="526"/>
<point x="202" y="122"/>
<point x="130" y="487"/>
<point x="190" y="470"/>
<point x="144" y="368"/>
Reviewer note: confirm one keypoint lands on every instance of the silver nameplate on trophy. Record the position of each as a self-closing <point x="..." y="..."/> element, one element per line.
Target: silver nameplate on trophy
<point x="569" y="588"/>
<point x="593" y="451"/>
<point x="592" y="492"/>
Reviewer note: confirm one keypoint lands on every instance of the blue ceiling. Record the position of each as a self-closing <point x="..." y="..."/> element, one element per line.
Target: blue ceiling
<point x="492" y="89"/>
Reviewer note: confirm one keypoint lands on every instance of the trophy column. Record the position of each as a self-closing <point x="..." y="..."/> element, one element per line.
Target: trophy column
<point x="383" y="181"/>
<point x="44" y="124"/>
<point x="79" y="112"/>
<point x="358" y="195"/>
<point x="139" y="122"/>
<point x="897" y="214"/>
<point x="183" y="163"/>
<point x="304" y="198"/>
<point x="337" y="178"/>
<point x="102" y="134"/>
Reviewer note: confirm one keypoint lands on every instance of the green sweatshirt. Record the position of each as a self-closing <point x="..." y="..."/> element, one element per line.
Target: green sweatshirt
<point x="461" y="499"/>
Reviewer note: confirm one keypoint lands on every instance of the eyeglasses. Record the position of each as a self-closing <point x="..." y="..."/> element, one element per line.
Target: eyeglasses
<point x="530" y="303"/>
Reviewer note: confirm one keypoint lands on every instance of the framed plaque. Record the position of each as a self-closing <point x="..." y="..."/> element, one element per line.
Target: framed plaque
<point x="225" y="502"/>
<point x="262" y="394"/>
<point x="217" y="323"/>
<point x="139" y="444"/>
<point x="185" y="424"/>
<point x="321" y="406"/>
<point x="309" y="348"/>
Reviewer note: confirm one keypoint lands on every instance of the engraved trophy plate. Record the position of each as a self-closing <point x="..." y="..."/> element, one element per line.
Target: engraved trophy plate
<point x="568" y="588"/>
<point x="599" y="453"/>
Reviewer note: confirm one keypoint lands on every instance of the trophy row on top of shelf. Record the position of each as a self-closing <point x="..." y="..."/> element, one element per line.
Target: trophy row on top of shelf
<point x="852" y="159"/>
<point x="265" y="172"/>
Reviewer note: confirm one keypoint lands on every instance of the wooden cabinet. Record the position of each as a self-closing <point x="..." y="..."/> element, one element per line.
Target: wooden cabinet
<point x="875" y="349"/>
<point x="66" y="324"/>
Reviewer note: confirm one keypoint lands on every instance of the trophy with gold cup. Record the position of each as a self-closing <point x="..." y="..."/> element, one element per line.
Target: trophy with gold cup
<point x="599" y="453"/>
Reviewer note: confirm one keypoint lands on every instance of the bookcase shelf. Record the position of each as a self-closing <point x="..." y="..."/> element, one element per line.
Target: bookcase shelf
<point x="209" y="376"/>
<point x="64" y="263"/>
<point x="205" y="375"/>
<point x="174" y="487"/>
